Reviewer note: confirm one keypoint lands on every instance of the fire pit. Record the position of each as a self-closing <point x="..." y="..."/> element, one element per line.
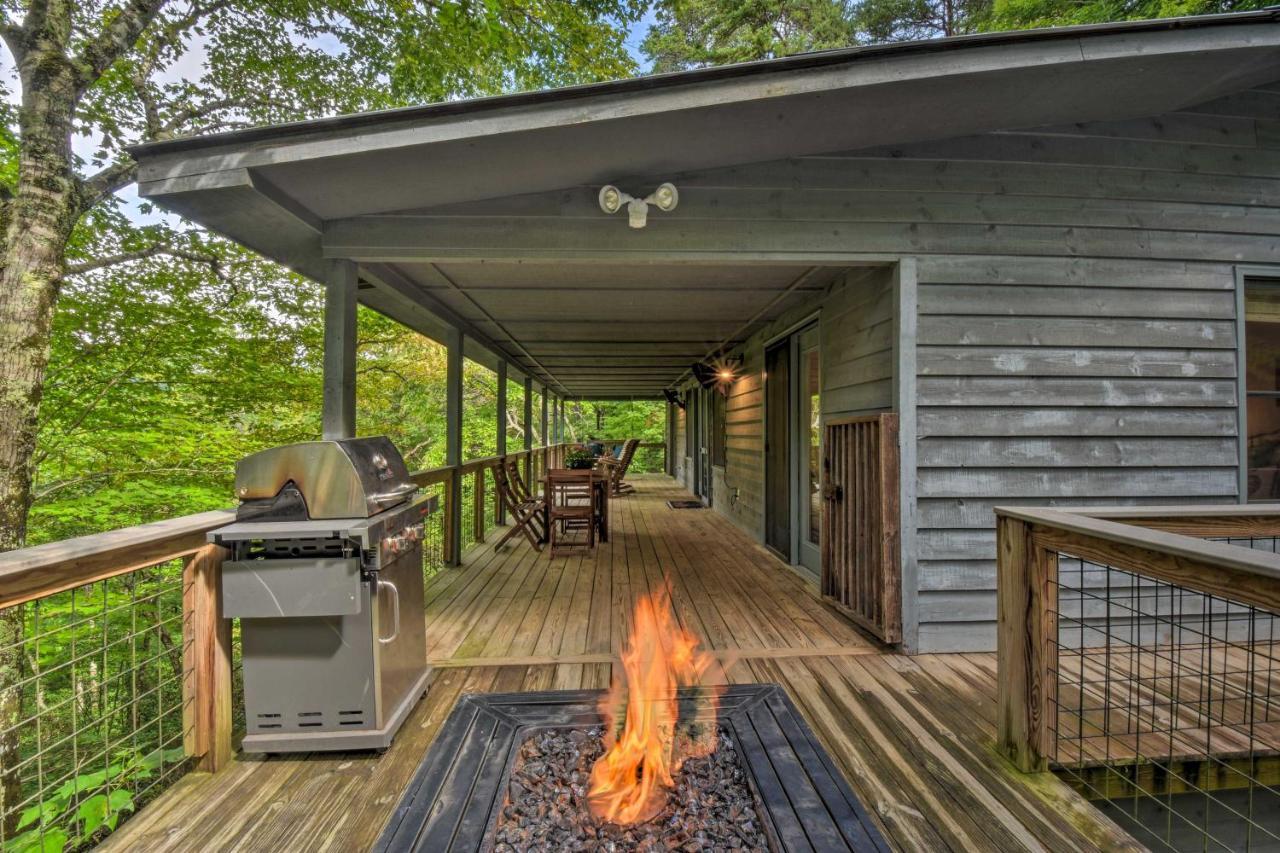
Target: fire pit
<point x="668" y="759"/>
<point x="461" y="798"/>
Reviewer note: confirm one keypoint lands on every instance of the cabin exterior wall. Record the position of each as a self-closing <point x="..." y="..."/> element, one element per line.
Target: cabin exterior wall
<point x="1076" y="334"/>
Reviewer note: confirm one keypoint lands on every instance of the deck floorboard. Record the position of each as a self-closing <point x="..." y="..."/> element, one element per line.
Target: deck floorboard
<point x="914" y="736"/>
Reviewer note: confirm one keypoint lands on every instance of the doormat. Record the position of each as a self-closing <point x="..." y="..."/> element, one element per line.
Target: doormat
<point x="685" y="504"/>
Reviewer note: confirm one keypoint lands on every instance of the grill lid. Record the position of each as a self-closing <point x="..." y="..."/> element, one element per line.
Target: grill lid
<point x="343" y="478"/>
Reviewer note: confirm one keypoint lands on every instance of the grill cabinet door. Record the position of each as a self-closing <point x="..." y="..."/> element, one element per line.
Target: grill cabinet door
<point x="861" y="573"/>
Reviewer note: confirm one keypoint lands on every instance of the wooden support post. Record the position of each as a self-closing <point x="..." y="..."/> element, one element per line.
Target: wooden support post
<point x="477" y="506"/>
<point x="453" y="446"/>
<point x="1026" y="646"/>
<point x="528" y="430"/>
<point x="499" y="512"/>
<point x="546" y="435"/>
<point x="339" y="408"/>
<point x="206" y="684"/>
<point x="669" y="443"/>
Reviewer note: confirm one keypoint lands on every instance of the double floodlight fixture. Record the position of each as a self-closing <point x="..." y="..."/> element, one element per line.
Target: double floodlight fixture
<point x="665" y="198"/>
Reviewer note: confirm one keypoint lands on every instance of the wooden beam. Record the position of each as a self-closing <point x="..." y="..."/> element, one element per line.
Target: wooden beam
<point x="206" y="684"/>
<point x="528" y="429"/>
<point x="42" y="570"/>
<point x="453" y="447"/>
<point x="500" y="514"/>
<point x="339" y="419"/>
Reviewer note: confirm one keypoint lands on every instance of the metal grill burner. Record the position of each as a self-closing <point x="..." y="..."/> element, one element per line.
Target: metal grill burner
<point x="326" y="554"/>
<point x="455" y="797"/>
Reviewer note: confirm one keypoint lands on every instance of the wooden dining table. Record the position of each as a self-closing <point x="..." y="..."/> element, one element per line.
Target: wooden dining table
<point x="600" y="482"/>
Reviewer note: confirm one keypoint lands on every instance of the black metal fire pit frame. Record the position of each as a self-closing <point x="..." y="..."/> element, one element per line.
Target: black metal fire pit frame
<point x="452" y="802"/>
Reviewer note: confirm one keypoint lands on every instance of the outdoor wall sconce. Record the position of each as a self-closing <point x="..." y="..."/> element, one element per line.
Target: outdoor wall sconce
<point x="673" y="397"/>
<point x="719" y="373"/>
<point x="665" y="198"/>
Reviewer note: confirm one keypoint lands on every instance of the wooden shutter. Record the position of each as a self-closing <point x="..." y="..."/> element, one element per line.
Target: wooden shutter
<point x="861" y="573"/>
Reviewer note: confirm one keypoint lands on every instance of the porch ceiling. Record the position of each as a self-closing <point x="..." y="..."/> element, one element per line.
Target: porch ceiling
<point x="613" y="329"/>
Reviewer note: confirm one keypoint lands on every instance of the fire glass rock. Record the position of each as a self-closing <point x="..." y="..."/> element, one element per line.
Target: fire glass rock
<point x="545" y="808"/>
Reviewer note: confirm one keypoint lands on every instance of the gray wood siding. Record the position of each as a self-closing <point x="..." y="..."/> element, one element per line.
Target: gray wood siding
<point x="1085" y="380"/>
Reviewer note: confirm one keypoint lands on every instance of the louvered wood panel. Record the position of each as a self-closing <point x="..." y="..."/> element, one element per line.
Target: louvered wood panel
<point x="861" y="573"/>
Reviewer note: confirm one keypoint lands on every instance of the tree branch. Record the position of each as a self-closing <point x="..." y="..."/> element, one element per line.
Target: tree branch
<point x="110" y="179"/>
<point x="214" y="262"/>
<point x="116" y="38"/>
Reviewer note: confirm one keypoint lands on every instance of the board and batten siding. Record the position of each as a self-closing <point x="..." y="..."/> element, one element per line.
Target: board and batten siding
<point x="855" y="319"/>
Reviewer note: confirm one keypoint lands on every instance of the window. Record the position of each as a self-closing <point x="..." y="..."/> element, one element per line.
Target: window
<point x="1262" y="387"/>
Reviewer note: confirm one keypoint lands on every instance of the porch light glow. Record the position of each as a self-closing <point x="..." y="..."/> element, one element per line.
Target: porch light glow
<point x="665" y="198"/>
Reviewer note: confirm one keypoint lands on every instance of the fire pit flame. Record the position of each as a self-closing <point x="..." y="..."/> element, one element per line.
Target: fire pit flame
<point x="630" y="783"/>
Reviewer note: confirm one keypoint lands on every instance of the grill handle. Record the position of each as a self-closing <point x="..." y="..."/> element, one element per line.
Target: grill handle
<point x="395" y="611"/>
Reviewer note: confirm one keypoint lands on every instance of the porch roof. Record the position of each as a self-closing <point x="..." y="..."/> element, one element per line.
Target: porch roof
<point x="308" y="192"/>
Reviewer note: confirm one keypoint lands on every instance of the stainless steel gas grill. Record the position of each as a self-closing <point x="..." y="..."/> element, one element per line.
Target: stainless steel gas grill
<point x="326" y="578"/>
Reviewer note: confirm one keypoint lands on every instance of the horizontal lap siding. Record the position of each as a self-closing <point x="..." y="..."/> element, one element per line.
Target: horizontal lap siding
<point x="1083" y="380"/>
<point x="744" y="445"/>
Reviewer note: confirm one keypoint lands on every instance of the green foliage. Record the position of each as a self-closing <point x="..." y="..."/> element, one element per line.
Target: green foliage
<point x="579" y="458"/>
<point x="696" y="33"/>
<point x="76" y="812"/>
<point x="1025" y="14"/>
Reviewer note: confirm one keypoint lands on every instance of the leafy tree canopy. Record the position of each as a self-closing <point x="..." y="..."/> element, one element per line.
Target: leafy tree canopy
<point x="698" y="33"/>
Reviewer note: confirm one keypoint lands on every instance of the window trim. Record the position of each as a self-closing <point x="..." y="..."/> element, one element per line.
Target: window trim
<point x="1243" y="274"/>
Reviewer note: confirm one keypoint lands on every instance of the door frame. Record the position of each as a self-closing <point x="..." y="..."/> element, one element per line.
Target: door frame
<point x="788" y="340"/>
<point x="800" y="434"/>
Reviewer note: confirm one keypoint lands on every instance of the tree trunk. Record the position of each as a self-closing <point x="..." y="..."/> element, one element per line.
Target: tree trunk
<point x="37" y="223"/>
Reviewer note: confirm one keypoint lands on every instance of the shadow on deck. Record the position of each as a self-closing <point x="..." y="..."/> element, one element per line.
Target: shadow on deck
<point x="914" y="736"/>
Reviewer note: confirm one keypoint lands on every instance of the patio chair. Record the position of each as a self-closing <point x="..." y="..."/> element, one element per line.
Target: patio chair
<point x="617" y="468"/>
<point x="570" y="506"/>
<point x="524" y="513"/>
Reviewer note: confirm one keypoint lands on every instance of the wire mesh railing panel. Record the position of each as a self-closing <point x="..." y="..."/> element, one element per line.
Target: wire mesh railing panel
<point x="1166" y="707"/>
<point x="433" y="556"/>
<point x="91" y="716"/>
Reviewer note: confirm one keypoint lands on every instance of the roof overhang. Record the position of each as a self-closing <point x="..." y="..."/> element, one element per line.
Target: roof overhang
<point x="280" y="190"/>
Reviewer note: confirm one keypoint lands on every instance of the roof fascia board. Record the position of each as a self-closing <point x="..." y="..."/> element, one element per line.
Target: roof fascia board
<point x="218" y="154"/>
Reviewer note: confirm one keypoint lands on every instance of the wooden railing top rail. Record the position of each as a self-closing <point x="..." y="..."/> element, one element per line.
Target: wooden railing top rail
<point x="1243" y="574"/>
<point x="41" y="570"/>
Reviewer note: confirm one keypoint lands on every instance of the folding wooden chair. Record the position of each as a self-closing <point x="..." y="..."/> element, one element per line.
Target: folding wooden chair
<point x="570" y="506"/>
<point x="523" y="513"/>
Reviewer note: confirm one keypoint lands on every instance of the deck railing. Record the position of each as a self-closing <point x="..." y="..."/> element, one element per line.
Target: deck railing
<point x="1138" y="659"/>
<point x="118" y="673"/>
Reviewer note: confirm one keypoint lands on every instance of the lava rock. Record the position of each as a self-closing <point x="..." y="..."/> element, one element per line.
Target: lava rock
<point x="711" y="808"/>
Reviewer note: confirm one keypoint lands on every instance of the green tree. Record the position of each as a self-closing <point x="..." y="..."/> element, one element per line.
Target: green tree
<point x="106" y="70"/>
<point x="697" y="33"/>
<point x="1025" y="14"/>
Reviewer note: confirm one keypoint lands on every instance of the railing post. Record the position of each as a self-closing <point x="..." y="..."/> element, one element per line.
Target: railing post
<point x="1026" y="646"/>
<point x="448" y="495"/>
<point x="477" y="506"/>
<point x="206" y="685"/>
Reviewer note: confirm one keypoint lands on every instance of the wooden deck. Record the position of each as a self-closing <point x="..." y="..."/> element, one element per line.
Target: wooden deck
<point x="913" y="735"/>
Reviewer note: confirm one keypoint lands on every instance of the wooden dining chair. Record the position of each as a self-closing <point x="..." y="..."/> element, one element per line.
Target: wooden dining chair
<point x="570" y="506"/>
<point x="525" y="514"/>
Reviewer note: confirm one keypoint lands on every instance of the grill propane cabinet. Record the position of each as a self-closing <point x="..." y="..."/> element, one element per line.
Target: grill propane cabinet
<point x="325" y="576"/>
